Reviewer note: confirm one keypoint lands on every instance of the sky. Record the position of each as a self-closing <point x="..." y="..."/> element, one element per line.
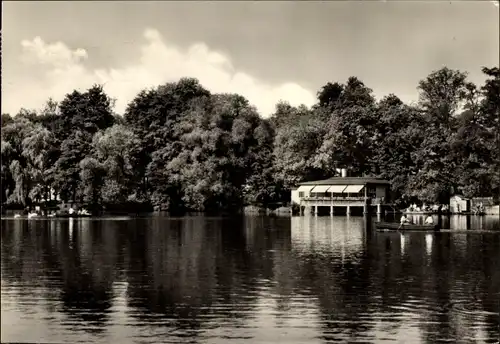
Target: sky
<point x="265" y="51"/>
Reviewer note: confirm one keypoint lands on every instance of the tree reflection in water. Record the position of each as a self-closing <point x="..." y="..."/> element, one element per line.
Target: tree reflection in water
<point x="258" y="278"/>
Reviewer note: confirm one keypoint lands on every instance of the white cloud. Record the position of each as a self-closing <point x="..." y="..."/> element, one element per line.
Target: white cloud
<point x="159" y="62"/>
<point x="57" y="54"/>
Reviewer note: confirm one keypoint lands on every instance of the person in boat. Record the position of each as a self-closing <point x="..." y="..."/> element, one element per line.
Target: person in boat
<point x="429" y="220"/>
<point x="404" y="220"/>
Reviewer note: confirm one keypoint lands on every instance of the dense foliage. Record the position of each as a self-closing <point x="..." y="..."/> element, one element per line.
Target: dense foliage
<point x="178" y="146"/>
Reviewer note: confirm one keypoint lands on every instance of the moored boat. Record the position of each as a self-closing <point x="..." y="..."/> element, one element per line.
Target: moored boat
<point x="74" y="215"/>
<point x="422" y="212"/>
<point x="407" y="226"/>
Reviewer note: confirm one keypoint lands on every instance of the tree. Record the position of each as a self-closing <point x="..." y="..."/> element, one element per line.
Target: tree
<point x="50" y="116"/>
<point x="330" y="94"/>
<point x="295" y="151"/>
<point x="115" y="148"/>
<point x="75" y="120"/>
<point x="67" y="175"/>
<point x="21" y="179"/>
<point x="214" y="154"/>
<point x="476" y="142"/>
<point x="356" y="93"/>
<point x="92" y="174"/>
<point x="442" y="93"/>
<point x="6" y="119"/>
<point x="261" y="187"/>
<point x="15" y="165"/>
<point x="36" y="147"/>
<point x="398" y="135"/>
<point x="7" y="181"/>
<point x="347" y="141"/>
<point x="89" y="111"/>
<point x="349" y="131"/>
<point x="152" y="115"/>
<point x="490" y="119"/>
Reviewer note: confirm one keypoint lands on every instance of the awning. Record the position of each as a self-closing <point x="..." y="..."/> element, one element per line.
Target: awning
<point x="320" y="188"/>
<point x="336" y="188"/>
<point x="353" y="188"/>
<point x="305" y="188"/>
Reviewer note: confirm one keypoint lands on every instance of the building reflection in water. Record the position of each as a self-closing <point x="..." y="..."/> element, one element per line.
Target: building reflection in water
<point x="428" y="243"/>
<point x="330" y="253"/>
<point x="403" y="238"/>
<point x="326" y="235"/>
<point x="71" y="229"/>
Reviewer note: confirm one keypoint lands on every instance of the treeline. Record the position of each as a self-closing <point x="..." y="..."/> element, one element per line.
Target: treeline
<point x="180" y="147"/>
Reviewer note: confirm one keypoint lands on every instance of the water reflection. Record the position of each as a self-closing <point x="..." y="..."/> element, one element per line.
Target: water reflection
<point x="428" y="243"/>
<point x="403" y="239"/>
<point x="260" y="279"/>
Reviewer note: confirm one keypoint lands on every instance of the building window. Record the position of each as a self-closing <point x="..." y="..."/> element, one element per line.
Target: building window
<point x="301" y="194"/>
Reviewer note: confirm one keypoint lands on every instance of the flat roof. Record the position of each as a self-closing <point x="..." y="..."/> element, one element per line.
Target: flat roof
<point x="347" y="181"/>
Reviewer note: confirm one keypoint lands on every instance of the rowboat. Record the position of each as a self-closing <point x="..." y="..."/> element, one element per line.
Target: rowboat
<point x="424" y="212"/>
<point x="412" y="227"/>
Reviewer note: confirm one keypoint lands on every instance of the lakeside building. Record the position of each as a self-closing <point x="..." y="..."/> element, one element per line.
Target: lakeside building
<point x="462" y="205"/>
<point x="342" y="194"/>
<point x="459" y="204"/>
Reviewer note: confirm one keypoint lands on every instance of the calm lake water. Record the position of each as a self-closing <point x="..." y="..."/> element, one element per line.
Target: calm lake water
<point x="252" y="279"/>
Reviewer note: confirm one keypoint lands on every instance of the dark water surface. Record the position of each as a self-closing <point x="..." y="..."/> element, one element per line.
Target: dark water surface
<point x="254" y="280"/>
